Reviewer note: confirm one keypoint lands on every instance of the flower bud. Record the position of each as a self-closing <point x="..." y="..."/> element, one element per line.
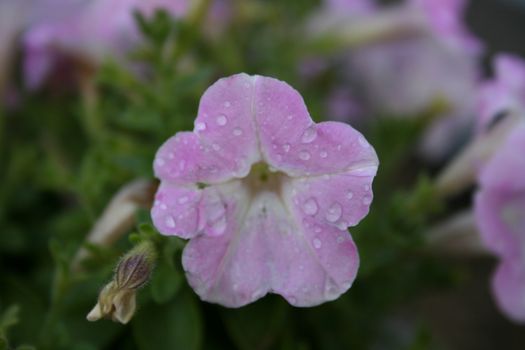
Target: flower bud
<point x="117" y="298"/>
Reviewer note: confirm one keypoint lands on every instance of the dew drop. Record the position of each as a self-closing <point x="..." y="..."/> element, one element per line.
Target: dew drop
<point x="200" y="126"/>
<point x="304" y="155"/>
<point x="290" y="117"/>
<point x="363" y="142"/>
<point x="310" y="206"/>
<point x="182" y="164"/>
<point x="286" y="147"/>
<point x="219" y="226"/>
<point x="342" y="225"/>
<point x="170" y="222"/>
<point x="163" y="206"/>
<point x="156" y="203"/>
<point x="227" y="104"/>
<point x="237" y="131"/>
<point x="171" y="155"/>
<point x="340" y="239"/>
<point x="334" y="212"/>
<point x="367" y="187"/>
<point x="367" y="200"/>
<point x="349" y="194"/>
<point x="221" y="120"/>
<point x="309" y="135"/>
<point x="216" y="147"/>
<point x="317" y="243"/>
<point x="323" y="154"/>
<point x="160" y="161"/>
<point x="183" y="200"/>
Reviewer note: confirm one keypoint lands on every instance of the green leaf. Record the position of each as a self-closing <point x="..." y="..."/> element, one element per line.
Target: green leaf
<point x="9" y="318"/>
<point x="257" y="325"/>
<point x="25" y="347"/>
<point x="176" y="325"/>
<point x="165" y="283"/>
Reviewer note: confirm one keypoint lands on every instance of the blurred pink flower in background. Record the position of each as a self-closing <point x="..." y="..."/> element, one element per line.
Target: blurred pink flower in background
<point x="505" y="93"/>
<point x="265" y="195"/>
<point x="499" y="106"/>
<point x="89" y="32"/>
<point x="500" y="202"/>
<point x="500" y="215"/>
<point x="436" y="61"/>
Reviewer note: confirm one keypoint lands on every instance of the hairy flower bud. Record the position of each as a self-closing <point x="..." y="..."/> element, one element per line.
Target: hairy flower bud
<point x="117" y="298"/>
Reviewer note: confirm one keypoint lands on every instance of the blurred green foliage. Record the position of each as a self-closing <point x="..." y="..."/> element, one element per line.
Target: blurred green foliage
<point x="65" y="153"/>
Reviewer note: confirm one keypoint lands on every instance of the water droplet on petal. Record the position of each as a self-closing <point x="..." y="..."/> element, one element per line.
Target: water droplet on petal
<point x="237" y="131"/>
<point x="286" y="147"/>
<point x="163" y="206"/>
<point x="292" y="300"/>
<point x="342" y="225"/>
<point x="290" y="117"/>
<point x="309" y="135"/>
<point x="160" y="161"/>
<point x="304" y="155"/>
<point x="334" y="212"/>
<point x="200" y="126"/>
<point x="216" y="147"/>
<point x="367" y="187"/>
<point x="330" y="291"/>
<point x="367" y="200"/>
<point x="317" y="243"/>
<point x="310" y="206"/>
<point x="219" y="226"/>
<point x="323" y="154"/>
<point x="182" y="164"/>
<point x="171" y="155"/>
<point x="170" y="222"/>
<point x="222" y="120"/>
<point x="349" y="194"/>
<point x="340" y="239"/>
<point x="363" y="142"/>
<point x="183" y="200"/>
<point x="227" y="104"/>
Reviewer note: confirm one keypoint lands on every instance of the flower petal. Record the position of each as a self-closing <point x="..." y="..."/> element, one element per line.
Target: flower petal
<point x="506" y="170"/>
<point x="269" y="252"/>
<point x="508" y="285"/>
<point x="174" y="212"/>
<point x="223" y="144"/>
<point x="336" y="201"/>
<point x="293" y="143"/>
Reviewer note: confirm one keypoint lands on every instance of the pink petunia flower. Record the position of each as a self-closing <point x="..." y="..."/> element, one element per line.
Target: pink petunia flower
<point x="505" y="93"/>
<point x="500" y="216"/>
<point x="91" y="31"/>
<point x="501" y="96"/>
<point x="265" y="195"/>
<point x="436" y="60"/>
<point x="500" y="202"/>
